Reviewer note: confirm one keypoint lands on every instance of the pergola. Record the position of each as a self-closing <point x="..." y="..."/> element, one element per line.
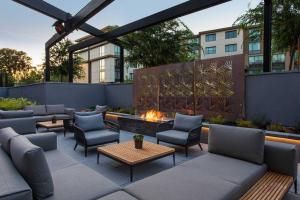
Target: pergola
<point x="78" y="21"/>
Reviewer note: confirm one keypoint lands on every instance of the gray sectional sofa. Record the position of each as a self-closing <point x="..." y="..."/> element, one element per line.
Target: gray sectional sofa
<point x="237" y="158"/>
<point x="47" y="112"/>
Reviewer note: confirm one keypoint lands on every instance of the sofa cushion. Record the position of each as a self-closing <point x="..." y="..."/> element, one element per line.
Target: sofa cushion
<point x="37" y="109"/>
<point x="62" y="116"/>
<point x="173" y="136"/>
<point x="55" y="109"/>
<point x="32" y="165"/>
<point x="186" y="122"/>
<point x="241" y="143"/>
<point x="89" y="123"/>
<point x="22" y="126"/>
<point x="243" y="173"/>
<point x="58" y="160"/>
<point x="79" y="182"/>
<point x="101" y="109"/>
<point x="43" y="118"/>
<point x="120" y="195"/>
<point x="86" y="113"/>
<point x="101" y="136"/>
<point x="12" y="184"/>
<point x="15" y="114"/>
<point x="6" y="134"/>
<point x="180" y="183"/>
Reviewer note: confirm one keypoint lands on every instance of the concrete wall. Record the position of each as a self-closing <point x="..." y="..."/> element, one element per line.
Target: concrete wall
<point x="34" y="92"/>
<point x="3" y="92"/>
<point x="119" y="95"/>
<point x="276" y="95"/>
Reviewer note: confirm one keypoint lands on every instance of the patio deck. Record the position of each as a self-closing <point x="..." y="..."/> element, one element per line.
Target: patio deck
<point x="118" y="172"/>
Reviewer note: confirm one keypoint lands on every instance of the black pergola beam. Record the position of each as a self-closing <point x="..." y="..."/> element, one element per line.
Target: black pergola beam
<point x="92" y="8"/>
<point x="185" y="8"/>
<point x="267" y="54"/>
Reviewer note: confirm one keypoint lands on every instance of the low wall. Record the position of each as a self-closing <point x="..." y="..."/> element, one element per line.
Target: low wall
<point x="3" y="92"/>
<point x="119" y="95"/>
<point x="275" y="95"/>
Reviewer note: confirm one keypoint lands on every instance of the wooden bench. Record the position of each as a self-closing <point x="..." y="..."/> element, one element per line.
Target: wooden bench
<point x="272" y="186"/>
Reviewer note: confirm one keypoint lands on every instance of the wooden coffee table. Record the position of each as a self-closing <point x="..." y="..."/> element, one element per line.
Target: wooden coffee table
<point x="49" y="125"/>
<point x="127" y="154"/>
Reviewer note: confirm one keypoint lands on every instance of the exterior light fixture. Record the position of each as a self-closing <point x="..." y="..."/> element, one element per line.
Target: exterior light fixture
<point x="59" y="27"/>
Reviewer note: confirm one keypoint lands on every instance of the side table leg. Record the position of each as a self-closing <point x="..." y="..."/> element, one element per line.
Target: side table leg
<point x="131" y="173"/>
<point x="174" y="163"/>
<point x="98" y="155"/>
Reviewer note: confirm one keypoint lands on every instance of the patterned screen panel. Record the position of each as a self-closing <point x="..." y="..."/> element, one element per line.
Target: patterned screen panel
<point x="209" y="87"/>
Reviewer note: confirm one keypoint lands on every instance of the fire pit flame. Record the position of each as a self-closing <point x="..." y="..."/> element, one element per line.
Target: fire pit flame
<point x="153" y="116"/>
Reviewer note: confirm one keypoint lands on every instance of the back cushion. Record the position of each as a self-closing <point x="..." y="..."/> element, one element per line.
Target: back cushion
<point x="55" y="109"/>
<point x="101" y="109"/>
<point x="31" y="163"/>
<point x="86" y="113"/>
<point x="186" y="122"/>
<point x="15" y="114"/>
<point x="20" y="125"/>
<point x="37" y="109"/>
<point x="241" y="143"/>
<point x="89" y="123"/>
<point x="6" y="134"/>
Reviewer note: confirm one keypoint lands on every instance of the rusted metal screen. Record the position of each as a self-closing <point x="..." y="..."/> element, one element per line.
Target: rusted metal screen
<point x="209" y="87"/>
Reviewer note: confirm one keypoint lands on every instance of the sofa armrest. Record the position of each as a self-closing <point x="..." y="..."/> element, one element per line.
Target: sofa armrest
<point x="281" y="158"/>
<point x="70" y="112"/>
<point x="165" y="126"/>
<point x="195" y="132"/>
<point x="112" y="125"/>
<point x="47" y="141"/>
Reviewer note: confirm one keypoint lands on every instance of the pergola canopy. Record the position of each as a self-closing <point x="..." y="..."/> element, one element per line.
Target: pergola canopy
<point x="78" y="21"/>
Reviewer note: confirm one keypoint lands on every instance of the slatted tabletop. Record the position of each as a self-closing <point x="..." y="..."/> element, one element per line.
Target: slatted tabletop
<point x="127" y="153"/>
<point x="272" y="186"/>
<point x="49" y="124"/>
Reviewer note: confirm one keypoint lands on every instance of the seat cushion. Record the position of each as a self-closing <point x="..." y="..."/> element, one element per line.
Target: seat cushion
<point x="43" y="118"/>
<point x="6" y="134"/>
<point x="37" y="109"/>
<point x="62" y="116"/>
<point x="12" y="184"/>
<point x="58" y="160"/>
<point x="90" y="123"/>
<point x="241" y="143"/>
<point x="245" y="174"/>
<point x="120" y="195"/>
<point x="79" y="182"/>
<point x="187" y="122"/>
<point x="173" y="136"/>
<point x="22" y="126"/>
<point x="55" y="109"/>
<point x="32" y="165"/>
<point x="101" y="136"/>
<point x="181" y="183"/>
<point x="15" y="114"/>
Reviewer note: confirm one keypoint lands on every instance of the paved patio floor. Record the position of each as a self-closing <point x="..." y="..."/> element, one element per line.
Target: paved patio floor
<point x="119" y="173"/>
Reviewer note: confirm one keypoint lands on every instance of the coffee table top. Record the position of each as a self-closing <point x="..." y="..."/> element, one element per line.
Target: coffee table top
<point x="49" y="124"/>
<point x="127" y="153"/>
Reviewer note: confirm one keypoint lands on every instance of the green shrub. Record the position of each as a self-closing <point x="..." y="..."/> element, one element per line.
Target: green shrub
<point x="217" y="120"/>
<point x="14" y="103"/>
<point x="260" y="121"/>
<point x="276" y="127"/>
<point x="245" y="123"/>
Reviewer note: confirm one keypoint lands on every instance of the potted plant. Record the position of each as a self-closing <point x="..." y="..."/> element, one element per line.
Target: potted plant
<point x="54" y="120"/>
<point x="138" y="141"/>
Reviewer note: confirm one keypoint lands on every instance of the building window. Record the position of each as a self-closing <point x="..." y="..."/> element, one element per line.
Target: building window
<point x="210" y="50"/>
<point x="102" y="70"/>
<point x="231" y="48"/>
<point x="230" y="34"/>
<point x="254" y="35"/>
<point x="254" y="47"/>
<point x="117" y="50"/>
<point x="255" y="60"/>
<point x="210" y="37"/>
<point x="102" y="49"/>
<point x="278" y="58"/>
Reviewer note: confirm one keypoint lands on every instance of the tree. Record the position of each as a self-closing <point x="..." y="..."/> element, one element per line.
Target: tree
<point x="29" y="77"/>
<point x="285" y="25"/>
<point x="59" y="61"/>
<point x="12" y="62"/>
<point x="160" y="44"/>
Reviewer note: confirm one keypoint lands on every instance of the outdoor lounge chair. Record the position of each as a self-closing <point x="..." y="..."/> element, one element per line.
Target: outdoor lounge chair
<point x="92" y="130"/>
<point x="184" y="131"/>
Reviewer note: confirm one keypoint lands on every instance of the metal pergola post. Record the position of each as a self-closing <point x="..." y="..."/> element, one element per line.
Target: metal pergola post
<point x="267" y="54"/>
<point x="47" y="64"/>
<point x="70" y="67"/>
<point x="121" y="64"/>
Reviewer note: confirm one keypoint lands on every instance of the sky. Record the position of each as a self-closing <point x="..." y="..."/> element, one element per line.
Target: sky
<point x="24" y="29"/>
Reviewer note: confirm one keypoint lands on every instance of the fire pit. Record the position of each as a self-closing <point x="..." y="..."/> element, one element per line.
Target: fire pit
<point x="145" y="124"/>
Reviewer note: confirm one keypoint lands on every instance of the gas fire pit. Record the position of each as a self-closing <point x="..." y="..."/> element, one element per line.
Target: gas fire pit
<point x="145" y="124"/>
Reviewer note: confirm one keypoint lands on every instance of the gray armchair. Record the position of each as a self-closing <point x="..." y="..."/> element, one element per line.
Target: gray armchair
<point x="93" y="130"/>
<point x="184" y="131"/>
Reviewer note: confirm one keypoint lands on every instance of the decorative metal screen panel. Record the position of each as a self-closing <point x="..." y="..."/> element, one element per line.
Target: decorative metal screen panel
<point x="209" y="87"/>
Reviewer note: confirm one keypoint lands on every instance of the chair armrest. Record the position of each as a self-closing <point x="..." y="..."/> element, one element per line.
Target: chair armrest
<point x="70" y="112"/>
<point x="112" y="125"/>
<point x="195" y="132"/>
<point x="281" y="158"/>
<point x="165" y="126"/>
<point x="47" y="141"/>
